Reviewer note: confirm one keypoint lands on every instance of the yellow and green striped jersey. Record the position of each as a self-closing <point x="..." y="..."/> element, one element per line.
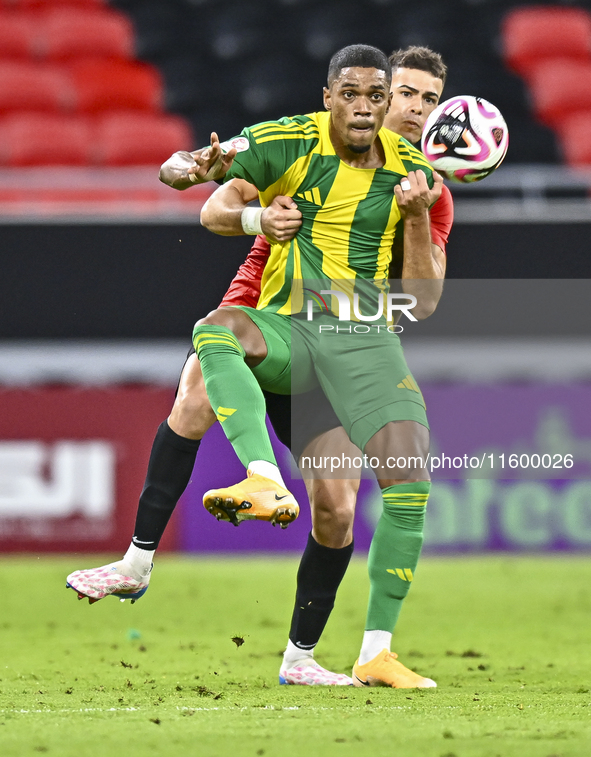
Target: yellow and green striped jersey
<point x="349" y="214"/>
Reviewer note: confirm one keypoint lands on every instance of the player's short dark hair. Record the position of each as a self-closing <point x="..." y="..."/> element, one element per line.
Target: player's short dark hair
<point x="359" y="56"/>
<point x="421" y="58"/>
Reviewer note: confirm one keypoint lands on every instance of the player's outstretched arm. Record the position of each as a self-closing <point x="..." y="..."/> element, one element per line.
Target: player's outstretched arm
<point x="226" y="212"/>
<point x="423" y="268"/>
<point x="183" y="169"/>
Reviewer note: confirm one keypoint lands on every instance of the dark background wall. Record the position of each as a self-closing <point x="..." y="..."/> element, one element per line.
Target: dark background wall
<point x="133" y="281"/>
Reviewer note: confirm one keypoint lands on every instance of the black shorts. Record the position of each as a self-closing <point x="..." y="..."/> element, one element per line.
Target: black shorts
<point x="314" y="412"/>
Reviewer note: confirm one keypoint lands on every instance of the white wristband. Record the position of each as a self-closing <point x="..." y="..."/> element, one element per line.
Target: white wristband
<point x="251" y="220"/>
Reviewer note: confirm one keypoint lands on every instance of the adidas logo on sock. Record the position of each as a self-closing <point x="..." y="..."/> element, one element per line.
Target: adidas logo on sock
<point x="404" y="573"/>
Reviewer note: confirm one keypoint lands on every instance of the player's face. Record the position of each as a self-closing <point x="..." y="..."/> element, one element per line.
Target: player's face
<point x="358" y="100"/>
<point x="414" y="95"/>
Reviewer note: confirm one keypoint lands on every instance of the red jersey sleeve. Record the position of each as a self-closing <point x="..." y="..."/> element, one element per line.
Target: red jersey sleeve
<point x="442" y="217"/>
<point x="245" y="288"/>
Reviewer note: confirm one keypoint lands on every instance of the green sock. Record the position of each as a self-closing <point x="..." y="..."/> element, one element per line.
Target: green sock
<point x="234" y="393"/>
<point x="394" y="552"/>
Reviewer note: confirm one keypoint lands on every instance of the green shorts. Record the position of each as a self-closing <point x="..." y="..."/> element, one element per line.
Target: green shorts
<point x="361" y="369"/>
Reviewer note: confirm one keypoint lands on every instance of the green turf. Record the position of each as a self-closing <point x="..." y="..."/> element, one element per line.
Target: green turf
<point x="507" y="640"/>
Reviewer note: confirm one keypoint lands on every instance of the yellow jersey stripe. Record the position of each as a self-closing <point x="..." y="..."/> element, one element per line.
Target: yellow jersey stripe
<point x="391" y="153"/>
<point x="285" y="185"/>
<point x="295" y="301"/>
<point x="415" y="158"/>
<point x="273" y="276"/>
<point x="265" y="128"/>
<point x="385" y="249"/>
<point x="332" y="226"/>
<point x="275" y="125"/>
<point x="276" y="137"/>
<point x="274" y="272"/>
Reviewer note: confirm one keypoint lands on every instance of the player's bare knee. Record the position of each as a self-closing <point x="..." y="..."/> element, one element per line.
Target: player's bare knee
<point x="220" y="317"/>
<point x="243" y="328"/>
<point x="403" y="469"/>
<point x="333" y="511"/>
<point x="330" y="531"/>
<point x="191" y="416"/>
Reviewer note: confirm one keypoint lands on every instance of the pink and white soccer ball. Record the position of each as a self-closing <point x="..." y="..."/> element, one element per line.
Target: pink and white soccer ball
<point x="465" y="138"/>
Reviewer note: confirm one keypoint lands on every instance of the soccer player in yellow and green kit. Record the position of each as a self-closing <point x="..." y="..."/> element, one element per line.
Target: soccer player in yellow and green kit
<point x="346" y="174"/>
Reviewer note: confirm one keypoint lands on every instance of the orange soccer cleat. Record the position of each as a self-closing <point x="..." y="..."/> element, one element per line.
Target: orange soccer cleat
<point x="255" y="498"/>
<point x="385" y="670"/>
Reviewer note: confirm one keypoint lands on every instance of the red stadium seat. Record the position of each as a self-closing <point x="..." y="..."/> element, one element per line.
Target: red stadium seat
<point x="558" y="87"/>
<point x="575" y="138"/>
<point x="135" y="138"/>
<point x="35" y="139"/>
<point x="51" y="3"/>
<point x="109" y="85"/>
<point x="533" y="33"/>
<point x="17" y="35"/>
<point x="85" y="33"/>
<point x="30" y="86"/>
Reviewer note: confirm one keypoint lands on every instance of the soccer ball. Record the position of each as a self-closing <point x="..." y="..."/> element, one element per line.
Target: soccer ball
<point x="465" y="138"/>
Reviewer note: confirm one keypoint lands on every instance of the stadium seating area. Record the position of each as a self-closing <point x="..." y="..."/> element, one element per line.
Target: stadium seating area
<point x="550" y="47"/>
<point x="228" y="64"/>
<point x="126" y="82"/>
<point x="72" y="92"/>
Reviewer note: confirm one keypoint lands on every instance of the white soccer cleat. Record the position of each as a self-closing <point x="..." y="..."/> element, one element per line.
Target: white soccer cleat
<point x="116" y="578"/>
<point x="310" y="673"/>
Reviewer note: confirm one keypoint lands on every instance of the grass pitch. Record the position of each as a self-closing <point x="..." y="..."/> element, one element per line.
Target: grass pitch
<point x="506" y="638"/>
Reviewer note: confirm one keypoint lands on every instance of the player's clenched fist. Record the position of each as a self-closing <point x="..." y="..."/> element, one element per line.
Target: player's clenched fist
<point x="413" y="195"/>
<point x="281" y="220"/>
